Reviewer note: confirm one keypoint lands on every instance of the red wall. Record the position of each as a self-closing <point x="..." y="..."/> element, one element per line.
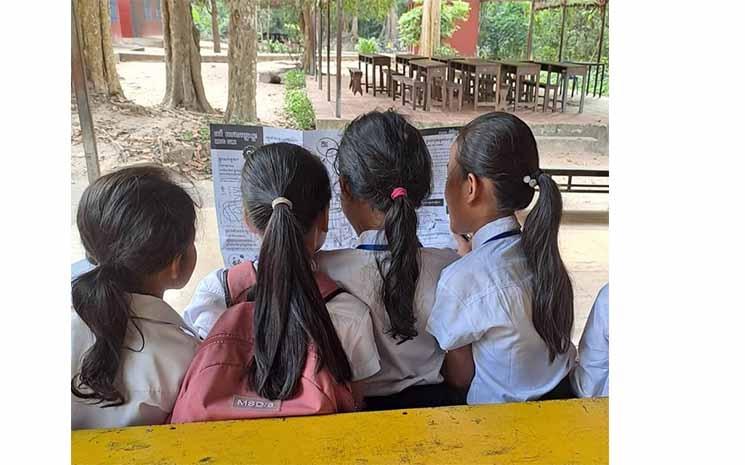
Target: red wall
<point x="137" y="18"/>
<point x="125" y="18"/>
<point x="466" y="38"/>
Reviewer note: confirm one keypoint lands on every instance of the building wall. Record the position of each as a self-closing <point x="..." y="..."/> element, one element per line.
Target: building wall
<point x="466" y="38"/>
<point x="125" y="17"/>
<point x="136" y="18"/>
<point x="146" y="18"/>
<point x="116" y="28"/>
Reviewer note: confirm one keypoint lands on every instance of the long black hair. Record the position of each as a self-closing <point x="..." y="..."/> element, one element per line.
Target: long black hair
<point x="289" y="312"/>
<point x="379" y="152"/>
<point x="133" y="223"/>
<point x="501" y="147"/>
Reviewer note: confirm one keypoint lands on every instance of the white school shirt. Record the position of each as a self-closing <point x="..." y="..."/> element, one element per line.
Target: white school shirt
<point x="417" y="361"/>
<point x="150" y="374"/>
<point x="590" y="376"/>
<point x="350" y="317"/>
<point x="484" y="299"/>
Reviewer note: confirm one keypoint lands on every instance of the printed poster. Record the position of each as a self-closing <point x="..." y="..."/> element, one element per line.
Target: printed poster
<point x="228" y="143"/>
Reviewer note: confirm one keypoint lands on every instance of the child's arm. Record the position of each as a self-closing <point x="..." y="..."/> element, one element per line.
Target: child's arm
<point x="458" y="368"/>
<point x="207" y="304"/>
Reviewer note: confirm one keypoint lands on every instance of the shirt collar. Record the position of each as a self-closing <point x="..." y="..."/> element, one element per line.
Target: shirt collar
<point x="152" y="308"/>
<point x="372" y="237"/>
<point x="496" y="227"/>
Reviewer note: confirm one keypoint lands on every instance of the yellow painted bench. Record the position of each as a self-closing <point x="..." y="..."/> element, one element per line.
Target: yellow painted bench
<point x="550" y="432"/>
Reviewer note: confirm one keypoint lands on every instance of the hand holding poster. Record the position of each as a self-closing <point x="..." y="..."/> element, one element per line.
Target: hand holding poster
<point x="228" y="143"/>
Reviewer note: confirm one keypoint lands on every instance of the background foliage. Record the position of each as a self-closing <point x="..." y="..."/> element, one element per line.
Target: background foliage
<point x="410" y="23"/>
<point x="298" y="109"/>
<point x="504" y="33"/>
<point x="367" y="45"/>
<point x="200" y="13"/>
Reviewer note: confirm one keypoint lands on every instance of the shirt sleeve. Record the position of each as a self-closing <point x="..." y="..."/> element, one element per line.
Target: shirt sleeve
<point x="590" y="377"/>
<point x="356" y="335"/>
<point x="207" y="304"/>
<point x="449" y="323"/>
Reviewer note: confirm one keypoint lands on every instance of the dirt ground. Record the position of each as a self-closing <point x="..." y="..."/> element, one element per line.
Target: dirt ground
<point x="138" y="130"/>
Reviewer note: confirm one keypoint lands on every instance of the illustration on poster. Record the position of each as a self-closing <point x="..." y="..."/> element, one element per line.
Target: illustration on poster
<point x="232" y="211"/>
<point x="327" y="149"/>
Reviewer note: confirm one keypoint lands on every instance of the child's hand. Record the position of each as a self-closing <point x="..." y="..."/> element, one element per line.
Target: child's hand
<point x="464" y="245"/>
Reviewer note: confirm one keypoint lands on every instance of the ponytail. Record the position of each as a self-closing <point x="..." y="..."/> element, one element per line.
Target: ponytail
<point x="102" y="304"/>
<point x="133" y="223"/>
<point x="400" y="279"/>
<point x="553" y="296"/>
<point x="500" y="147"/>
<point x="289" y="311"/>
<point x="386" y="163"/>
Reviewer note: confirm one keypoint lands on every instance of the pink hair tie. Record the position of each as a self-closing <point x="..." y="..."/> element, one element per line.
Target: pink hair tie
<point x="398" y="192"/>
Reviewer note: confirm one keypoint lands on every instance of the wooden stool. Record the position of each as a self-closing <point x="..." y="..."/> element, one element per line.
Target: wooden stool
<point x="452" y="88"/>
<point x="396" y="80"/>
<point x="355" y="80"/>
<point x="414" y="86"/>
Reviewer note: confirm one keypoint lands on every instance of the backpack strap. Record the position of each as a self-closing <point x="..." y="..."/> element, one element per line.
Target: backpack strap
<point x="328" y="287"/>
<point x="236" y="282"/>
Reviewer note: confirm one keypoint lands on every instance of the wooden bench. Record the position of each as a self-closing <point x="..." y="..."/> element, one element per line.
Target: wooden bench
<point x="549" y="432"/>
<point x="570" y="186"/>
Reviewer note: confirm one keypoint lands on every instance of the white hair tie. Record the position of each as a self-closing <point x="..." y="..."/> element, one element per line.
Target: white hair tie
<point x="281" y="200"/>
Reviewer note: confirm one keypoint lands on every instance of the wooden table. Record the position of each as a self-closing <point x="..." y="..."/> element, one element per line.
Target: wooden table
<point x="599" y="70"/>
<point x="429" y="69"/>
<point x="378" y="60"/>
<point x="447" y="60"/>
<point x="520" y="69"/>
<point x="404" y="59"/>
<point x="477" y="67"/>
<point x="564" y="70"/>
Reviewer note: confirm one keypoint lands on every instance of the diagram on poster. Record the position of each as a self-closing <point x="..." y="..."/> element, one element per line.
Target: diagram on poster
<point x="228" y="144"/>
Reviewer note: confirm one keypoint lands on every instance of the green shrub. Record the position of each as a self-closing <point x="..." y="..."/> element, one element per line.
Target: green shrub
<point x="299" y="109"/>
<point x="295" y="79"/>
<point x="367" y="45"/>
<point x="277" y="47"/>
<point x="446" y="51"/>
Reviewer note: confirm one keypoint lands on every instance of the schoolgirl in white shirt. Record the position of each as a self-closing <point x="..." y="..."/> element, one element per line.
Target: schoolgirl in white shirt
<point x="504" y="311"/>
<point x="308" y="180"/>
<point x="590" y="376"/>
<point x="130" y="349"/>
<point x="385" y="172"/>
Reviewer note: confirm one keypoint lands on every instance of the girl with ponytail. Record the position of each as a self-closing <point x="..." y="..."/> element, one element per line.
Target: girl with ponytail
<point x="130" y="349"/>
<point x="385" y="173"/>
<point x="505" y="310"/>
<point x="282" y="339"/>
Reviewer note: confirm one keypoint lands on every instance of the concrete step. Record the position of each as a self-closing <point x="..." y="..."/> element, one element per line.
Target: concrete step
<point x="570" y="144"/>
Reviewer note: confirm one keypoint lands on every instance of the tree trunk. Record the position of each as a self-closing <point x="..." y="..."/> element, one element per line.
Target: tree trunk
<point x="242" y="62"/>
<point x="215" y="28"/>
<point x="430" y="36"/>
<point x="309" y="35"/>
<point x="389" y="33"/>
<point x="95" y="38"/>
<point x="354" y="28"/>
<point x="183" y="63"/>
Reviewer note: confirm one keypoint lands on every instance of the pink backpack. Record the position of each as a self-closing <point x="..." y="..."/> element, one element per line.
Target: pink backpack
<point x="215" y="385"/>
